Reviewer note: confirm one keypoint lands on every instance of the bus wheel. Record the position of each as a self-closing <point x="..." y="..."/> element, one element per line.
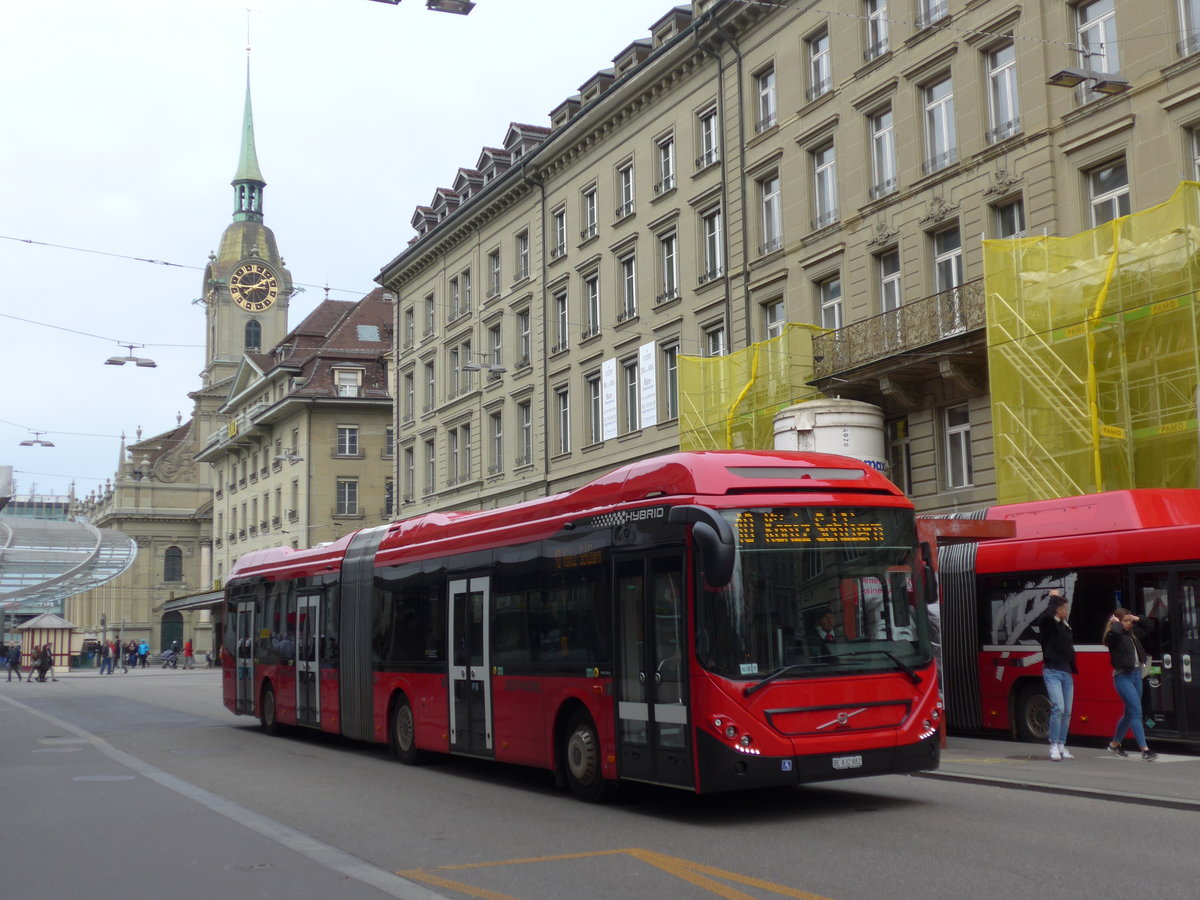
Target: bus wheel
<point x="1033" y="714"/>
<point x="581" y="759"/>
<point x="404" y="733"/>
<point x="267" y="712"/>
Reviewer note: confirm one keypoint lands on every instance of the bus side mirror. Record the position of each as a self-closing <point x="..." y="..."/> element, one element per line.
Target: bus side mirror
<point x="714" y="540"/>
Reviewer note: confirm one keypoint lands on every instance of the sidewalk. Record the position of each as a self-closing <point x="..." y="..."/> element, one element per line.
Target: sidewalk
<point x="1173" y="780"/>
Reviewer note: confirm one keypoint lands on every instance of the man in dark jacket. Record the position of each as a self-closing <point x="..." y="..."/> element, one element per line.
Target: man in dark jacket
<point x="1058" y="670"/>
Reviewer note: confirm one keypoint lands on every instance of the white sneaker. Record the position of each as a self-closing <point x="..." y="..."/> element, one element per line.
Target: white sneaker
<point x="1066" y="754"/>
<point x="1055" y="753"/>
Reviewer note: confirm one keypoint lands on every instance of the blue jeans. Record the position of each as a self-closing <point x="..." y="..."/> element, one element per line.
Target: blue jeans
<point x="1129" y="689"/>
<point x="1060" y="688"/>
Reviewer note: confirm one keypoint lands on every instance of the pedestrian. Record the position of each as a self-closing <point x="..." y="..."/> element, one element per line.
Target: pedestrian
<point x="143" y="652"/>
<point x="14" y="661"/>
<point x="1128" y="658"/>
<point x="188" y="654"/>
<point x="45" y="664"/>
<point x="106" y="662"/>
<point x="1058" y="671"/>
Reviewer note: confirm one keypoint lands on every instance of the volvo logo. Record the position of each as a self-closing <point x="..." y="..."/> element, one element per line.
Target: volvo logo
<point x="842" y="719"/>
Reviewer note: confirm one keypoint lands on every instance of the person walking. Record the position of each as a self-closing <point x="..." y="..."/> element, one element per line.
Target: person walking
<point x="14" y="661"/>
<point x="1128" y="657"/>
<point x="188" y="654"/>
<point x="106" y="663"/>
<point x="143" y="652"/>
<point x="1058" y="671"/>
<point x="45" y="664"/>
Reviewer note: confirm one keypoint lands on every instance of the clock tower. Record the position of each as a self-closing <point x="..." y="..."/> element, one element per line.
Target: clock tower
<point x="246" y="287"/>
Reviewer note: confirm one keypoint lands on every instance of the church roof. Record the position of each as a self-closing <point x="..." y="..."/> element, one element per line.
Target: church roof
<point x="247" y="169"/>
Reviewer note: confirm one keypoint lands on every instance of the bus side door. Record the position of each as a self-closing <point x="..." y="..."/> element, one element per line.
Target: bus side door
<point x="308" y="659"/>
<point x="470" y="667"/>
<point x="653" y="736"/>
<point x="244" y="650"/>
<point x="1172" y="598"/>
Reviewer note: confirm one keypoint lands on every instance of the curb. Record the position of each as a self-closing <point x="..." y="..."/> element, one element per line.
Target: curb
<point x="1088" y="793"/>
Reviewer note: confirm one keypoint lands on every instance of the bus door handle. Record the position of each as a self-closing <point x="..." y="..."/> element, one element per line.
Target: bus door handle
<point x="1187" y="668"/>
<point x="1168" y="662"/>
<point x="658" y="677"/>
<point x="641" y="677"/>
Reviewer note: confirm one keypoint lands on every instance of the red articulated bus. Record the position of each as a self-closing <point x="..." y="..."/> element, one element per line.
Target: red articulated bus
<point x="666" y="623"/>
<point x="1138" y="549"/>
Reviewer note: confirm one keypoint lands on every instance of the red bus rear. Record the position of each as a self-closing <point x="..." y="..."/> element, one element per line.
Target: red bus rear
<point x="666" y="623"/>
<point x="1139" y="549"/>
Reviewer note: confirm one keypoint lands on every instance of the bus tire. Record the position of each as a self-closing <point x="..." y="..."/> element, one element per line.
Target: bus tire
<point x="1033" y="713"/>
<point x="268" y="711"/>
<point x="402" y="736"/>
<point x="581" y="759"/>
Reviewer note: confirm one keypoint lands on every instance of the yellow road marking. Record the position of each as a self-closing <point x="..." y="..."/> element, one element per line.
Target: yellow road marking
<point x="685" y="870"/>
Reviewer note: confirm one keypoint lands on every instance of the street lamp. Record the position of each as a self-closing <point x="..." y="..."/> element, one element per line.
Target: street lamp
<point x="141" y="361"/>
<point x="458" y="7"/>
<point x="36" y="441"/>
<point x="1105" y="82"/>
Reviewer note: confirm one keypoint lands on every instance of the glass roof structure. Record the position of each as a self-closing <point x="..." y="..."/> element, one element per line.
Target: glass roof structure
<point x="44" y="561"/>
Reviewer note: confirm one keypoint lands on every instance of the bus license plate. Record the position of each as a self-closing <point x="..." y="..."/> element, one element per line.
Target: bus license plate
<point x="847" y="762"/>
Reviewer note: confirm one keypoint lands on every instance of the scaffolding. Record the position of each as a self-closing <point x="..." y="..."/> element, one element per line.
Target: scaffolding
<point x="730" y="402"/>
<point x="1093" y="354"/>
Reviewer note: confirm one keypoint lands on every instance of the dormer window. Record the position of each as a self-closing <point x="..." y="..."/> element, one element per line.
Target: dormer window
<point x="347" y="382"/>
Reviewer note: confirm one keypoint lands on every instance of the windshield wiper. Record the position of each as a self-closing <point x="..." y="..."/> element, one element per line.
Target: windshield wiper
<point x="779" y="673"/>
<point x="900" y="664"/>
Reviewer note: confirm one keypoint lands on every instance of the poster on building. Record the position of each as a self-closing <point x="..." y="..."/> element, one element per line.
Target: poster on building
<point x="608" y="398"/>
<point x="649" y="398"/>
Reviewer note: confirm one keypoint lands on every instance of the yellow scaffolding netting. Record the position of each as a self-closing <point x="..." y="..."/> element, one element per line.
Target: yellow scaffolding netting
<point x="730" y="402"/>
<point x="1092" y="354"/>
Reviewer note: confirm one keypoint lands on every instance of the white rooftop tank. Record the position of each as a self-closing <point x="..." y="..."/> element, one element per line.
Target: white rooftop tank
<point x="846" y="427"/>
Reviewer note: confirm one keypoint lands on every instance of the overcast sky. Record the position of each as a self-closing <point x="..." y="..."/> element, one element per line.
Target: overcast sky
<point x="119" y="127"/>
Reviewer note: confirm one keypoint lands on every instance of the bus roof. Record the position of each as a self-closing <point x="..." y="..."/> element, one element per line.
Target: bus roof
<point x="1131" y="510"/>
<point x="683" y="475"/>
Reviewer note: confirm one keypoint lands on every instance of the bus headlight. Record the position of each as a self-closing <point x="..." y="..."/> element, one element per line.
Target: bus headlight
<point x="731" y="731"/>
<point x="745" y="740"/>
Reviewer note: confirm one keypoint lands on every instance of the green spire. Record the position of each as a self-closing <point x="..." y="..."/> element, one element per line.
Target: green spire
<point x="248" y="183"/>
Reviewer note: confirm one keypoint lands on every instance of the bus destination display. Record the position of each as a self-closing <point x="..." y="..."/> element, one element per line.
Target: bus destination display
<point x="808" y="527"/>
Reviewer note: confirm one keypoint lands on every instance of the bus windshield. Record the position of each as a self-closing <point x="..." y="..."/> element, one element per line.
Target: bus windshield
<point x="816" y="591"/>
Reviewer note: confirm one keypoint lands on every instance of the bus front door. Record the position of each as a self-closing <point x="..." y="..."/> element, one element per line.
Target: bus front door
<point x="308" y="675"/>
<point x="1171" y="697"/>
<point x="470" y="668"/>
<point x="653" y="741"/>
<point x="244" y="650"/>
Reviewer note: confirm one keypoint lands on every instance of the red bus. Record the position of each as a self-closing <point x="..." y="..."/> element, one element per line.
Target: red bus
<point x="659" y="624"/>
<point x="1139" y="549"/>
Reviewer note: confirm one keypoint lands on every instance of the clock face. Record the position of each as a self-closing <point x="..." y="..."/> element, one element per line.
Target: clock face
<point x="253" y="286"/>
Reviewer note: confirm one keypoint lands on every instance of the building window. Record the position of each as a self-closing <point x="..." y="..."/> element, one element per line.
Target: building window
<point x="410" y="474"/>
<point x="590" y="214"/>
<point x="495" y="442"/>
<point x="625" y="190"/>
<point x="1108" y="192"/>
<point x="632" y="388"/>
<point x="713" y="340"/>
<point x="941" y="143"/>
<point x="389" y="498"/>
<point x="347" y="497"/>
<point x="464" y="436"/>
<point x="899" y="450"/>
<point x="409" y="328"/>
<point x="524" y="338"/>
<point x="521" y="256"/>
<point x="493" y="274"/>
<point x="957" y="430"/>
<point x="1189" y="22"/>
<point x="562" y="321"/>
<point x="765" y="84"/>
<point x="710" y="230"/>
<point x="595" y="410"/>
<point x="668" y="259"/>
<point x="825" y="196"/>
<point x="1194" y="139"/>
<point x="465" y="278"/>
<point x="628" y="275"/>
<point x="948" y="276"/>
<point x="253" y="336"/>
<point x="883" y="154"/>
<point x="770" y="214"/>
<point x="525" y="435"/>
<point x="430" y="466"/>
<point x="1002" y="93"/>
<point x="1010" y="219"/>
<point x="430" y="315"/>
<point x="409" y="394"/>
<point x="820" y="68"/>
<point x="1096" y="30"/>
<point x="560" y="234"/>
<point x="173" y="564"/>
<point x="347" y="440"/>
<point x="666" y="166"/>
<point x="495" y="345"/>
<point x="430" y="387"/>
<point x="389" y="441"/>
<point x="347" y="382"/>
<point x="670" y="380"/>
<point x="562" y="401"/>
<point x="454" y="300"/>
<point x="591" y="306"/>
<point x="931" y="11"/>
<point x="829" y="294"/>
<point x="877" y="29"/>
<point x="890" y="296"/>
<point x="709" y="141"/>
<point x="773" y="319"/>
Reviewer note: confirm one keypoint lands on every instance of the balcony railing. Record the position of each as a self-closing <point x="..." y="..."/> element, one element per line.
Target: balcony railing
<point x="1004" y="130"/>
<point x="912" y="326"/>
<point x="876" y="50"/>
